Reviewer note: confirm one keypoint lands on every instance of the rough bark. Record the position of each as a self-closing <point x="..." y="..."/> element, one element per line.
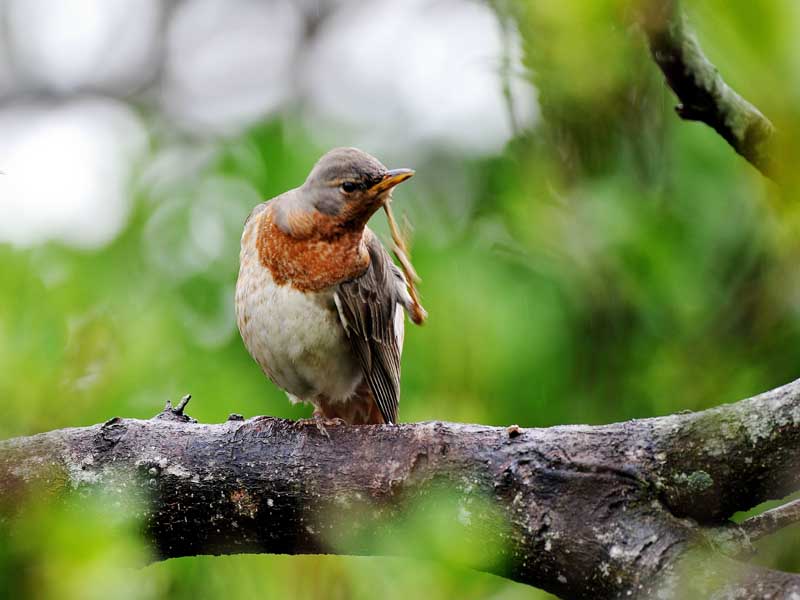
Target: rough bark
<point x="627" y="509"/>
<point x="704" y="96"/>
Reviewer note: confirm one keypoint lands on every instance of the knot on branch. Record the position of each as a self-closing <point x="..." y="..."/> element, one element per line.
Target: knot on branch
<point x="176" y="413"/>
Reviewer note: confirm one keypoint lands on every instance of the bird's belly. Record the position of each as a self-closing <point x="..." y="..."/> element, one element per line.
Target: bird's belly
<point x="295" y="337"/>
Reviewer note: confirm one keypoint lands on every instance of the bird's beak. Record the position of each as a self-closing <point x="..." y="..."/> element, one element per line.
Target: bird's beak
<point x="391" y="179"/>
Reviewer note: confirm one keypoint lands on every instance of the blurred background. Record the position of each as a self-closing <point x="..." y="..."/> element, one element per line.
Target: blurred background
<point x="586" y="257"/>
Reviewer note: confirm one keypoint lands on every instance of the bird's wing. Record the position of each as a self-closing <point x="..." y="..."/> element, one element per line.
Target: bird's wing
<point x="368" y="308"/>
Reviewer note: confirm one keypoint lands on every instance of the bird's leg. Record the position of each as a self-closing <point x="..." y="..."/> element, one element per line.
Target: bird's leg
<point x="320" y="421"/>
<point x="323" y="419"/>
<point x="319" y="417"/>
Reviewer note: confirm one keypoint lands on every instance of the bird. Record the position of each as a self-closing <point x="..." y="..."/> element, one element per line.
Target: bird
<point x="320" y="304"/>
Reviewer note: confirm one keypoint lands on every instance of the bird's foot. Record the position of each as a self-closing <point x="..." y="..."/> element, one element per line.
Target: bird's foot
<point x="321" y="422"/>
<point x="176" y="413"/>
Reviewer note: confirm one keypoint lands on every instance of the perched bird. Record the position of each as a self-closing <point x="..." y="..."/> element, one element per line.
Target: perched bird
<point x="319" y="302"/>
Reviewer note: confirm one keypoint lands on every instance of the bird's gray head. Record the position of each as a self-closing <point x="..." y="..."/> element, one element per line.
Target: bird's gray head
<point x="350" y="185"/>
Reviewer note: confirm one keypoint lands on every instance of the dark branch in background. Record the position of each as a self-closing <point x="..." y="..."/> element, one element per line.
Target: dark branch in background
<point x="624" y="510"/>
<point x="704" y="96"/>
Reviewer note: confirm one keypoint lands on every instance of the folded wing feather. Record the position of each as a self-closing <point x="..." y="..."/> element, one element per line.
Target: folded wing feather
<point x="368" y="307"/>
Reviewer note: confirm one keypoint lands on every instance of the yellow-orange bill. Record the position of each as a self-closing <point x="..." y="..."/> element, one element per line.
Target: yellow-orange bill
<point x="391" y="179"/>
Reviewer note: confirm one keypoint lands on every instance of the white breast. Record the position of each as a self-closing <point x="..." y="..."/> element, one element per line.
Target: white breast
<point x="296" y="337"/>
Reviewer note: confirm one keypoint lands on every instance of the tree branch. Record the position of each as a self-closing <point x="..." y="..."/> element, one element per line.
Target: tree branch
<point x="583" y="512"/>
<point x="772" y="520"/>
<point x="704" y="96"/>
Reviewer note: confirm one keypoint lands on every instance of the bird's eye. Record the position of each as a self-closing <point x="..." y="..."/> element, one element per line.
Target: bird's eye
<point x="348" y="186"/>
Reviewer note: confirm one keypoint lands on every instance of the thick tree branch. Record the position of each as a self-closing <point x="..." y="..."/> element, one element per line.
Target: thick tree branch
<point x="704" y="96"/>
<point x="627" y="509"/>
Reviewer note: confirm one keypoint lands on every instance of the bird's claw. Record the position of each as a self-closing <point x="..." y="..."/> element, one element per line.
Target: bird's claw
<point x="322" y="422"/>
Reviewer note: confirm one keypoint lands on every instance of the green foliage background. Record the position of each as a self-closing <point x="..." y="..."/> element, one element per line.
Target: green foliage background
<point x="615" y="263"/>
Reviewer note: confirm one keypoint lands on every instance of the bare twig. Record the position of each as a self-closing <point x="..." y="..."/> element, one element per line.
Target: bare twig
<point x="772" y="520"/>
